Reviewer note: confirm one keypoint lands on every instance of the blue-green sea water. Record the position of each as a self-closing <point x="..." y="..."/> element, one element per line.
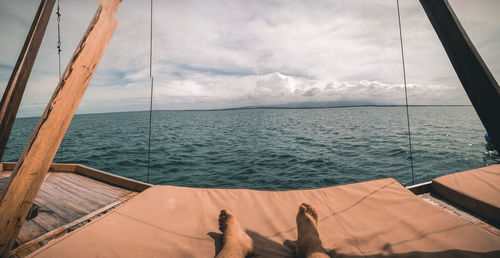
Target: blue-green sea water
<point x="273" y="148"/>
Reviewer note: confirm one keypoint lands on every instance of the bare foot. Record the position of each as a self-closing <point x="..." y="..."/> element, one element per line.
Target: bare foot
<point x="308" y="242"/>
<point x="236" y="242"/>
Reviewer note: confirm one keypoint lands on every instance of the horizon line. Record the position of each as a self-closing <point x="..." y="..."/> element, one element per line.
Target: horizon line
<point x="270" y="107"/>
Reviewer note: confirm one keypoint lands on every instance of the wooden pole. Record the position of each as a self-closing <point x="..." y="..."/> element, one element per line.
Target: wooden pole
<point x="476" y="78"/>
<point x="34" y="162"/>
<point x="17" y="83"/>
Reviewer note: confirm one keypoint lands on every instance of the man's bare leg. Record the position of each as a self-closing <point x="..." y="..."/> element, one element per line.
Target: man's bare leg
<point x="308" y="242"/>
<point x="236" y="242"/>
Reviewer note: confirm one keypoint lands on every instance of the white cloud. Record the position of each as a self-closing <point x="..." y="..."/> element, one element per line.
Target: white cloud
<point x="219" y="54"/>
<point x="277" y="88"/>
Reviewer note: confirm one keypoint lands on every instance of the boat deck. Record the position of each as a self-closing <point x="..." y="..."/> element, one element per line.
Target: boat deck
<point x="67" y="200"/>
<point x="73" y="195"/>
<point x="460" y="212"/>
<point x="378" y="218"/>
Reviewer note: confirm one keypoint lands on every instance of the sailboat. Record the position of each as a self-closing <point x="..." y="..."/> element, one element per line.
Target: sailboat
<point x="70" y="210"/>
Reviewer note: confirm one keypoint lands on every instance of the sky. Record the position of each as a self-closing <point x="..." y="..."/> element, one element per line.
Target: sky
<point x="224" y="54"/>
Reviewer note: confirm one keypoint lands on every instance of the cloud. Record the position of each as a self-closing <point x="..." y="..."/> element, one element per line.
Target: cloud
<point x="277" y="88"/>
<point x="218" y="54"/>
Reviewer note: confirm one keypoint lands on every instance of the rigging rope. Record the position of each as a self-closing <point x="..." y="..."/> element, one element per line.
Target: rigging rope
<point x="59" y="59"/>
<point x="406" y="92"/>
<point x="151" y="78"/>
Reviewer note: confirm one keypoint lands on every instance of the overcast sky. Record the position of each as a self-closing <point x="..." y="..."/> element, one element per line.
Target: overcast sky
<point x="220" y="54"/>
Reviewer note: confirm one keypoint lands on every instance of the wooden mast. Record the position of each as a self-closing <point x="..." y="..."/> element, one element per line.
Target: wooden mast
<point x="17" y="83"/>
<point x="476" y="78"/>
<point x="34" y="162"/>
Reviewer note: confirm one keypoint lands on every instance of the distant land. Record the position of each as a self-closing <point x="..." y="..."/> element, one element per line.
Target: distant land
<point x="316" y="105"/>
<point x="298" y="105"/>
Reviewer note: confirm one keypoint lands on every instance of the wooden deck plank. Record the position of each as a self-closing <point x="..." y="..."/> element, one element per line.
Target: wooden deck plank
<point x="69" y="197"/>
<point x="62" y="200"/>
<point x="29" y="247"/>
<point x="65" y="198"/>
<point x="94" y="186"/>
<point x="64" y="203"/>
<point x="109" y="178"/>
<point x="85" y="193"/>
<point x="62" y="208"/>
<point x="48" y="219"/>
<point x="30" y="230"/>
<point x="3" y="183"/>
<point x="74" y="191"/>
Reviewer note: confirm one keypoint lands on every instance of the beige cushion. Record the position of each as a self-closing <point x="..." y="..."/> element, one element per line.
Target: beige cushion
<point x="371" y="218"/>
<point x="477" y="190"/>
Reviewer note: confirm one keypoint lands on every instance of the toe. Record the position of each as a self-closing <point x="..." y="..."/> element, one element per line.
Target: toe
<point x="228" y="213"/>
<point x="222" y="220"/>
<point x="308" y="208"/>
<point x="303" y="207"/>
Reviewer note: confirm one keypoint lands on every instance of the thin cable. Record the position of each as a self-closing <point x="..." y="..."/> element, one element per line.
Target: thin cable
<point x="151" y="42"/>
<point x="151" y="91"/>
<point x="59" y="37"/>
<point x="406" y="93"/>
<point x="59" y="57"/>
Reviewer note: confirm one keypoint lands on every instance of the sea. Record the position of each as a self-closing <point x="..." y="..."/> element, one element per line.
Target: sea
<point x="273" y="149"/>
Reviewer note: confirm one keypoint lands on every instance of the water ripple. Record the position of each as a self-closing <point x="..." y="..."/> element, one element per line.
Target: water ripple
<point x="273" y="149"/>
